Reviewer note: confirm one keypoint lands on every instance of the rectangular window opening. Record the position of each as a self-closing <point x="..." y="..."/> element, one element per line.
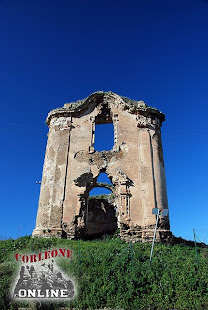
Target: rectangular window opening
<point x="104" y="137"/>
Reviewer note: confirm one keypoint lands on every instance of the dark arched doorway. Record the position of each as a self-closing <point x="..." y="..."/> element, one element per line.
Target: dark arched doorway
<point x="101" y="215"/>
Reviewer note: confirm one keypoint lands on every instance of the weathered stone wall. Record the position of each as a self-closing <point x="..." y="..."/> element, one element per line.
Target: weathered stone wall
<point x="135" y="166"/>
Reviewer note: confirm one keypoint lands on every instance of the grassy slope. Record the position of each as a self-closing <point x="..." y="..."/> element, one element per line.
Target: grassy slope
<point x="115" y="275"/>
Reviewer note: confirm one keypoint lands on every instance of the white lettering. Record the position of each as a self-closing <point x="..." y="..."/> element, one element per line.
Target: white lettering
<point x="63" y="293"/>
<point x="47" y="293"/>
<point x="31" y="293"/>
<point x="24" y="293"/>
<point x="54" y="293"/>
<point x="39" y="294"/>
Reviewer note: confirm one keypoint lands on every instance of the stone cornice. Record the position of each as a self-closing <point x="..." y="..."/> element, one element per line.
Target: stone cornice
<point x="132" y="106"/>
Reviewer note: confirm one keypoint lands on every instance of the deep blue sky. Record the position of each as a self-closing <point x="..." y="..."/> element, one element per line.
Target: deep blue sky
<point x="52" y="52"/>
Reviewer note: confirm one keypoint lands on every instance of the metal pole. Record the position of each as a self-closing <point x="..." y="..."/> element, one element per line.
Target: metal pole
<point x="197" y="258"/>
<point x="87" y="209"/>
<point x="153" y="241"/>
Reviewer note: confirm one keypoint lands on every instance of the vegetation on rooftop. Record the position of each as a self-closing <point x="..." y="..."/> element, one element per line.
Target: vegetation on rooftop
<point x="82" y="101"/>
<point x="110" y="196"/>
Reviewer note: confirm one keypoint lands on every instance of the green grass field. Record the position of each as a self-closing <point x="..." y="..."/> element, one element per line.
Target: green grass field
<point x="113" y="274"/>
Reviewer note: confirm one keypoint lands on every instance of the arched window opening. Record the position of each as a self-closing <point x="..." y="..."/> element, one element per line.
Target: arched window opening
<point x="103" y="177"/>
<point x="99" y="191"/>
<point x="104" y="185"/>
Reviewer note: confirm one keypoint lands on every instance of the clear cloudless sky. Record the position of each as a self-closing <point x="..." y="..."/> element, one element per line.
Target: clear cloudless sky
<point x="52" y="52"/>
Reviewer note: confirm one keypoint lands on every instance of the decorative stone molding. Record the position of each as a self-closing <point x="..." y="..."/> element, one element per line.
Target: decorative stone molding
<point x="97" y="98"/>
<point x="61" y="123"/>
<point x="148" y="121"/>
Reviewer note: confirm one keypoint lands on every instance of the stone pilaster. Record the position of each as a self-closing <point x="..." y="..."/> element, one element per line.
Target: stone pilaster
<point x="52" y="192"/>
<point x="147" y="188"/>
<point x="160" y="179"/>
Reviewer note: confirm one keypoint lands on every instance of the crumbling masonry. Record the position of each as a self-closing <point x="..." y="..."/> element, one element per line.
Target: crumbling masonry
<point x="135" y="167"/>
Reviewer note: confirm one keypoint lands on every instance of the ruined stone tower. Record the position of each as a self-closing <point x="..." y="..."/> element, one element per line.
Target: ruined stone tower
<point x="134" y="165"/>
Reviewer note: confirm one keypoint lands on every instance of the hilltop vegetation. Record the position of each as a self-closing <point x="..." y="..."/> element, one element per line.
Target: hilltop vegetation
<point x="115" y="275"/>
